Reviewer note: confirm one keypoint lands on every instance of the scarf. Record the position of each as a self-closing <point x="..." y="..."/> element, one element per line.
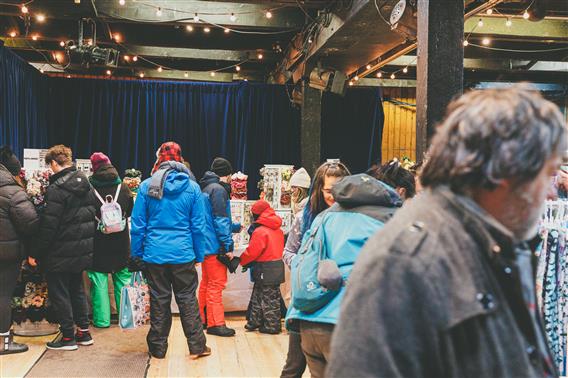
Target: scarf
<point x="158" y="180"/>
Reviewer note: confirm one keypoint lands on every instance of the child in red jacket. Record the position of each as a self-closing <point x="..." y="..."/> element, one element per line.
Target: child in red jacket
<point x="264" y="257"/>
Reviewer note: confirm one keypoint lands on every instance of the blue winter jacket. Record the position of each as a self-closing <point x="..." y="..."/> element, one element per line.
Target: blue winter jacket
<point x="170" y="230"/>
<point x="363" y="205"/>
<point x="219" y="225"/>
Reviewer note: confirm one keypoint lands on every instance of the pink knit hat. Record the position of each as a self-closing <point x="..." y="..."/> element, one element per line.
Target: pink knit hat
<point x="98" y="159"/>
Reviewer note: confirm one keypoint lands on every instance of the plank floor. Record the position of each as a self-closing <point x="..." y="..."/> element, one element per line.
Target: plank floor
<point x="248" y="354"/>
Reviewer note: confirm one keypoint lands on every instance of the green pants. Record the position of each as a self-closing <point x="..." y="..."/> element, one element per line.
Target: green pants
<point x="100" y="297"/>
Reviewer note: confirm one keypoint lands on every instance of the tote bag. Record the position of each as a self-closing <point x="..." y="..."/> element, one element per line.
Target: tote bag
<point x="134" y="303"/>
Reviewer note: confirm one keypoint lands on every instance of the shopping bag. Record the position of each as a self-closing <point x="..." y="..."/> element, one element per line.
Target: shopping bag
<point x="134" y="303"/>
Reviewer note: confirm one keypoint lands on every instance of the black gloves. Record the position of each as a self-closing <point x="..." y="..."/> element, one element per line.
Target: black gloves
<point x="136" y="264"/>
<point x="232" y="265"/>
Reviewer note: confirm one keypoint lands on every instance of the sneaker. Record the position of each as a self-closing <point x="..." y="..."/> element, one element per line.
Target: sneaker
<point x="205" y="353"/>
<point x="251" y="327"/>
<point x="222" y="331"/>
<point x="8" y="346"/>
<point x="63" y="343"/>
<point x="84" y="338"/>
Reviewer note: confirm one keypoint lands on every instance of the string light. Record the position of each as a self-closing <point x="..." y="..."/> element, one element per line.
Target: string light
<point x="233" y="18"/>
<point x="159" y="12"/>
<point x="268" y="14"/>
<point x="526" y="15"/>
<point x="189" y="28"/>
<point x="109" y="72"/>
<point x="135" y="58"/>
<point x="160" y="69"/>
<point x="126" y="58"/>
<point x="207" y="29"/>
<point x="350" y="83"/>
<point x="212" y="73"/>
<point x="480" y="23"/>
<point x="238" y="68"/>
<point x="40" y="17"/>
<point x="25" y="9"/>
<point x="490" y="11"/>
<point x="379" y="74"/>
<point x="508" y="23"/>
<point x="122" y="2"/>
<point x="356" y="78"/>
<point x="486" y="41"/>
<point x="117" y="37"/>
<point x="227" y="31"/>
<point x="393" y="76"/>
<point x="41" y="70"/>
<point x="62" y="44"/>
<point x="13" y="34"/>
<point x="465" y="43"/>
<point x="310" y="40"/>
<point x="68" y="76"/>
<point x="260" y="56"/>
<point x="196" y="18"/>
<point x="186" y="74"/>
<point x="405" y="70"/>
<point x="368" y="66"/>
<point x="35" y="37"/>
<point x="141" y="75"/>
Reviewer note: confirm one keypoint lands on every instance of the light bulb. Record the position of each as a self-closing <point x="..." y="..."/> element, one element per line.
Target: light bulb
<point x="160" y="69"/>
<point x="379" y="74"/>
<point x="508" y="23"/>
<point x="246" y="79"/>
<point x="480" y="23"/>
<point x="126" y="58"/>
<point x="159" y="12"/>
<point x="189" y="28"/>
<point x="186" y="74"/>
<point x="405" y="70"/>
<point x="35" y="37"/>
<point x="356" y="78"/>
<point x="207" y="29"/>
<point x="212" y="74"/>
<point x="268" y="14"/>
<point x="117" y="37"/>
<point x="310" y="40"/>
<point x="238" y="68"/>
<point x="368" y="66"/>
<point x="196" y="18"/>
<point x="135" y="58"/>
<point x="25" y="9"/>
<point x="260" y="56"/>
<point x="68" y="76"/>
<point x="485" y="41"/>
<point x="526" y="15"/>
<point x="108" y="72"/>
<point x="122" y="2"/>
<point x="490" y="11"/>
<point x="141" y="74"/>
<point x="12" y="34"/>
<point x="62" y="44"/>
<point x="40" y="17"/>
<point x="233" y="18"/>
<point x="227" y="31"/>
<point x="41" y="70"/>
<point x="392" y="76"/>
<point x="350" y="83"/>
<point x="465" y="43"/>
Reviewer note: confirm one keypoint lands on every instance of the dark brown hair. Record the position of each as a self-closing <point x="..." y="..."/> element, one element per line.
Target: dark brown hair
<point x="60" y="154"/>
<point x="317" y="203"/>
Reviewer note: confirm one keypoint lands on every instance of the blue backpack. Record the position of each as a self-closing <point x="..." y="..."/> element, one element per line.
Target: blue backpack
<point x="316" y="279"/>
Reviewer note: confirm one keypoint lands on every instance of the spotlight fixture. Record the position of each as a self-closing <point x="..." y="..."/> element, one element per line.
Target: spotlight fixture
<point x="526" y="15"/>
<point x="465" y="43"/>
<point x="233" y="18"/>
<point x="24" y="9"/>
<point x="268" y="14"/>
<point x="134" y="58"/>
<point x="379" y="74"/>
<point x="485" y="41"/>
<point x="207" y="29"/>
<point x="40" y="17"/>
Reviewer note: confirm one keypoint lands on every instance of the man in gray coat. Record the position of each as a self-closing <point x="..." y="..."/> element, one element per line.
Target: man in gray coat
<point x="446" y="288"/>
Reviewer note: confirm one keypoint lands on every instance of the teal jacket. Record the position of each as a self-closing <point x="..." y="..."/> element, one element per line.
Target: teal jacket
<point x="363" y="205"/>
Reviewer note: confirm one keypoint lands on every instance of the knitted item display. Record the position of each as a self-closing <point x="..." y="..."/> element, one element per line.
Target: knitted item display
<point x="133" y="178"/>
<point x="239" y="186"/>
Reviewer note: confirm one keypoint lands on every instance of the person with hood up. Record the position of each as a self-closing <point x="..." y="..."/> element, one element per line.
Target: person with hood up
<point x="18" y="221"/>
<point x="111" y="250"/>
<point x="168" y="226"/>
<point x="264" y="256"/>
<point x="363" y="205"/>
<point x="216" y="187"/>
<point x="64" y="246"/>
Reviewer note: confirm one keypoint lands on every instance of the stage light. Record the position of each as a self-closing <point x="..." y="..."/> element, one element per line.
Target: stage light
<point x="40" y="17"/>
<point x="233" y="18"/>
<point x="25" y="9"/>
<point x="379" y="74"/>
<point x="207" y="29"/>
<point x="268" y="14"/>
<point x="465" y="43"/>
<point x="508" y="23"/>
<point x="486" y="41"/>
<point x="189" y="28"/>
<point x="526" y="15"/>
<point x="134" y="58"/>
<point x="159" y="12"/>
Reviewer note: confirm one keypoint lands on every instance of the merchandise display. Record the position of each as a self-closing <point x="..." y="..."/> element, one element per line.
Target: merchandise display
<point x="240" y="213"/>
<point x="239" y="186"/>
<point x="133" y="178"/>
<point x="275" y="185"/>
<point x="85" y="166"/>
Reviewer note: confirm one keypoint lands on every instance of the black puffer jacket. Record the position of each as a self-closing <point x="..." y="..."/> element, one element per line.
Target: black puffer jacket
<point x="67" y="226"/>
<point x="18" y="218"/>
<point x="113" y="250"/>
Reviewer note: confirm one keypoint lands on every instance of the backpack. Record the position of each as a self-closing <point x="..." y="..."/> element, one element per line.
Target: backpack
<point x="112" y="220"/>
<point x="316" y="279"/>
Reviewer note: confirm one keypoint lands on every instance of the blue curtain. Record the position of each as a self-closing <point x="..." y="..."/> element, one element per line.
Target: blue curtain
<point x="22" y="103"/>
<point x="352" y="127"/>
<point x="249" y="124"/>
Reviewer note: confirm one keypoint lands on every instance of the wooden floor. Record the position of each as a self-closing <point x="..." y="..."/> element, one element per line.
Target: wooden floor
<point x="248" y="354"/>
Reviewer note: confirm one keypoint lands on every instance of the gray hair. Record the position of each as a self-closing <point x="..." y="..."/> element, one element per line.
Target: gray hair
<point x="492" y="135"/>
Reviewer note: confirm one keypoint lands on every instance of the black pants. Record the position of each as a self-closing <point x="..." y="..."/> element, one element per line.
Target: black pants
<point x="67" y="296"/>
<point x="316" y="344"/>
<point x="265" y="307"/>
<point x="295" y="361"/>
<point x="183" y="279"/>
<point x="9" y="272"/>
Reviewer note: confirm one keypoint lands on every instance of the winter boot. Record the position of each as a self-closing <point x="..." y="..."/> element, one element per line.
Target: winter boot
<point x="205" y="353"/>
<point x="8" y="346"/>
<point x="222" y="331"/>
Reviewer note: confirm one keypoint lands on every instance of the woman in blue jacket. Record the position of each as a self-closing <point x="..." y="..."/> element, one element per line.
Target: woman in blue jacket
<point x="363" y="205"/>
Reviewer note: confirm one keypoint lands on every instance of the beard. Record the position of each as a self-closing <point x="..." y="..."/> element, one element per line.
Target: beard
<point x="525" y="211"/>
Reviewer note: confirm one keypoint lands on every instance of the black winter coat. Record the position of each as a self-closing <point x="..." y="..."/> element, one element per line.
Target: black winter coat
<point x="67" y="225"/>
<point x="18" y="218"/>
<point x="111" y="250"/>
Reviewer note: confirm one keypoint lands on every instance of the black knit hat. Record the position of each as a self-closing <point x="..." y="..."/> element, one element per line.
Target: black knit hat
<point x="221" y="167"/>
<point x="10" y="161"/>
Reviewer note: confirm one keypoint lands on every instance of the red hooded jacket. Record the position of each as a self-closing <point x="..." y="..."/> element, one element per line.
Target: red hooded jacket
<point x="267" y="240"/>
